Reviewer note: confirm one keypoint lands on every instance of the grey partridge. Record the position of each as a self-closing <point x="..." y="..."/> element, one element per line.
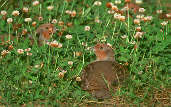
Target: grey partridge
<point x="101" y="77"/>
<point x="45" y="31"/>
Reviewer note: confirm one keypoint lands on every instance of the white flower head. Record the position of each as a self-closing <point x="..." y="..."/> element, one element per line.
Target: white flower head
<point x="54" y="21"/>
<point x="124" y="36"/>
<point x="27" y="50"/>
<point x="3" y="12"/>
<point x="159" y="11"/>
<point x="141" y="10"/>
<point x="117" y="16"/>
<point x="4" y="52"/>
<point x="29" y="54"/>
<point x="97" y="3"/>
<point x="164" y="23"/>
<point x="78" y="79"/>
<point x="168" y="15"/>
<point x="20" y="51"/>
<point x="15" y="13"/>
<point x="138" y="1"/>
<point x="28" y="19"/>
<point x="9" y="20"/>
<point x="35" y="3"/>
<point x="117" y="1"/>
<point x="138" y="35"/>
<point x="68" y="12"/>
<point x="50" y="7"/>
<point x="25" y="9"/>
<point x="87" y="28"/>
<point x="68" y="36"/>
<point x="70" y="63"/>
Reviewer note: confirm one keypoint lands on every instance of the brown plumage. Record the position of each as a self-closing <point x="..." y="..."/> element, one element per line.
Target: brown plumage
<point x="44" y="33"/>
<point x="133" y="7"/>
<point x="102" y="77"/>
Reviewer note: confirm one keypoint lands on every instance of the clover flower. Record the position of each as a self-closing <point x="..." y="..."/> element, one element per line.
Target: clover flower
<point x="68" y="36"/>
<point x="15" y="13"/>
<point x="87" y="28"/>
<point x="20" y="51"/>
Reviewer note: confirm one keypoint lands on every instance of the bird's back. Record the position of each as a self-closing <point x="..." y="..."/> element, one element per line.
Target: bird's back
<point x="101" y="76"/>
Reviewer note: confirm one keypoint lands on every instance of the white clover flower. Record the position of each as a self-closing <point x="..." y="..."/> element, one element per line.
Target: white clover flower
<point x="34" y="23"/>
<point x="124" y="36"/>
<point x="29" y="54"/>
<point x="59" y="45"/>
<point x="20" y="51"/>
<point x="132" y="42"/>
<point x="61" y="74"/>
<point x="140" y="72"/>
<point x="68" y="36"/>
<point x="125" y="8"/>
<point x="122" y="18"/>
<point x="87" y="28"/>
<point x="149" y="18"/>
<point x="138" y="35"/>
<point x="138" y="28"/>
<point x="117" y="1"/>
<point x="78" y="79"/>
<point x="50" y="7"/>
<point x="97" y="3"/>
<point x="164" y="23"/>
<point x="35" y="3"/>
<point x="64" y="71"/>
<point x="27" y="50"/>
<point x="15" y="13"/>
<point x="138" y="1"/>
<point x="5" y="52"/>
<point x="111" y="11"/>
<point x="73" y="13"/>
<point x="142" y="10"/>
<point x="25" y="9"/>
<point x="97" y="20"/>
<point x="168" y="15"/>
<point x="115" y="8"/>
<point x="109" y="44"/>
<point x="54" y="21"/>
<point x="117" y="16"/>
<point x="137" y="21"/>
<point x="28" y="19"/>
<point x="9" y="20"/>
<point x="68" y="12"/>
<point x="70" y="63"/>
<point x="138" y="16"/>
<point x="159" y="11"/>
<point x="3" y="12"/>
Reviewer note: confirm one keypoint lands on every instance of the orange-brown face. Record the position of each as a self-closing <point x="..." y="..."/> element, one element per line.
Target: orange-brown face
<point x="46" y="35"/>
<point x="46" y="27"/>
<point x="45" y="30"/>
<point x="49" y="27"/>
<point x="133" y="6"/>
<point x="103" y="51"/>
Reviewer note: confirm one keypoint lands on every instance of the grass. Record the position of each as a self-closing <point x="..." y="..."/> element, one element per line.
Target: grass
<point x="35" y="79"/>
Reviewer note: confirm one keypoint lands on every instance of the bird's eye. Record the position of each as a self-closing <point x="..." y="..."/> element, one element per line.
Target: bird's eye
<point x="46" y="27"/>
<point x="101" y="48"/>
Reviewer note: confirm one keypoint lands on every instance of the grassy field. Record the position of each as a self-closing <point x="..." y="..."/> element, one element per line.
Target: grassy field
<point x="47" y="75"/>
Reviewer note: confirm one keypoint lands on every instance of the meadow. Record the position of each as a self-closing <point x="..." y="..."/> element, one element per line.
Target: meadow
<point x="49" y="75"/>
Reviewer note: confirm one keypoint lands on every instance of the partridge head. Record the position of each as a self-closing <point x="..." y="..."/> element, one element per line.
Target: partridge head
<point x="44" y="32"/>
<point x="103" y="52"/>
<point x="133" y="7"/>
